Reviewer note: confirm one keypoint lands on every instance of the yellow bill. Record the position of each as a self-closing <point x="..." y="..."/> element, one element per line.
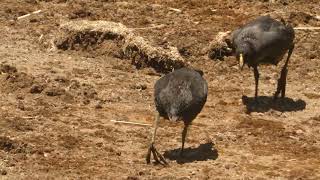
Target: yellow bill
<point x="241" y="62"/>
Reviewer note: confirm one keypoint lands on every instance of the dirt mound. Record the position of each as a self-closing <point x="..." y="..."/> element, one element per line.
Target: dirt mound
<point x="90" y="34"/>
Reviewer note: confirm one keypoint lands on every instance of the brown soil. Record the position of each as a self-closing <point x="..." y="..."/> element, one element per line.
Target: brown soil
<point x="57" y="105"/>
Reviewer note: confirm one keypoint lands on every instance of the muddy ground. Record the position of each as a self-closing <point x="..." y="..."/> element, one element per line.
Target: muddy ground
<point x="57" y="105"/>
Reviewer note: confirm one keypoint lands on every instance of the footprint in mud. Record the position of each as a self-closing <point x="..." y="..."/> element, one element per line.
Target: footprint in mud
<point x="203" y="152"/>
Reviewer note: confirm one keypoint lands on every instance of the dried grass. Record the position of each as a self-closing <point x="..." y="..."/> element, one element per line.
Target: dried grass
<point x="220" y="46"/>
<point x="85" y="33"/>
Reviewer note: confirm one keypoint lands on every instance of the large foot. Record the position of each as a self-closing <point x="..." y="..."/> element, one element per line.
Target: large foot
<point x="156" y="155"/>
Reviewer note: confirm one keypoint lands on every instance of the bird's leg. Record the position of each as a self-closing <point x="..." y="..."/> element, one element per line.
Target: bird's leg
<point x="284" y="73"/>
<point x="282" y="81"/>
<point x="285" y="69"/>
<point x="157" y="156"/>
<point x="184" y="134"/>
<point x="279" y="86"/>
<point x="256" y="78"/>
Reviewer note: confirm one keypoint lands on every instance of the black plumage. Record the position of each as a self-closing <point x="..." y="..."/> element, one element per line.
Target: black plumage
<point x="179" y="95"/>
<point x="264" y="41"/>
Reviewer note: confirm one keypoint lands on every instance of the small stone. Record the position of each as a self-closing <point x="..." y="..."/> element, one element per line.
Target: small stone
<point x="20" y="96"/>
<point x="86" y="101"/>
<point x="61" y="79"/>
<point x="20" y="106"/>
<point x="230" y="166"/>
<point x="132" y="178"/>
<point x="36" y="89"/>
<point x="139" y="86"/>
<point x="295" y="138"/>
<point x="3" y="172"/>
<point x="285" y="115"/>
<point x="55" y="92"/>
<point x="219" y="137"/>
<point x="98" y="105"/>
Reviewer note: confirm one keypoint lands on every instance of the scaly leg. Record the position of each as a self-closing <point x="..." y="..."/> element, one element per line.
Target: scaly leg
<point x="157" y="156"/>
<point x="283" y="91"/>
<point x="282" y="81"/>
<point x="184" y="134"/>
<point x="256" y="78"/>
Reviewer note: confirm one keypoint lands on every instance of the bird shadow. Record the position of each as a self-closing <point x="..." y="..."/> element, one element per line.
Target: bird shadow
<point x="203" y="152"/>
<point x="265" y="103"/>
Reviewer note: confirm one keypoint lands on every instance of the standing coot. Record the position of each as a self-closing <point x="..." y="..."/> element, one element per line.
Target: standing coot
<point x="179" y="95"/>
<point x="264" y="41"/>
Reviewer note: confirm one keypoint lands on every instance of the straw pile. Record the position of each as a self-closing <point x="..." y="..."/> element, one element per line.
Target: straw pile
<point x="220" y="46"/>
<point x="83" y="34"/>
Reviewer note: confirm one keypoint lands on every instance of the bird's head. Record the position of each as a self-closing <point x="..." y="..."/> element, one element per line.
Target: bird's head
<point x="243" y="53"/>
<point x="173" y="114"/>
<point x="176" y="97"/>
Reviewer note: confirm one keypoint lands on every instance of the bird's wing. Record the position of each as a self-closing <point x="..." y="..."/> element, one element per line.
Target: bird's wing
<point x="270" y="39"/>
<point x="247" y="34"/>
<point x="235" y="34"/>
<point x="161" y="84"/>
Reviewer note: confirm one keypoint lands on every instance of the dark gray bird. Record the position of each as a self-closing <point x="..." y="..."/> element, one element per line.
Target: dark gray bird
<point x="179" y="95"/>
<point x="264" y="41"/>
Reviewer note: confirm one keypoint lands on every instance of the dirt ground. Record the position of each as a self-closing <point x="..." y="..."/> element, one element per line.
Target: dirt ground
<point x="57" y="105"/>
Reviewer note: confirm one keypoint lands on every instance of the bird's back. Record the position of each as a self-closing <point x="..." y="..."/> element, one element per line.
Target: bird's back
<point x="184" y="88"/>
<point x="269" y="38"/>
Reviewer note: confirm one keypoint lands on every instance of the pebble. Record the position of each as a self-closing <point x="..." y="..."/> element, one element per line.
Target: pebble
<point x="3" y="172"/>
<point x="36" y="89"/>
<point x="98" y="105"/>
